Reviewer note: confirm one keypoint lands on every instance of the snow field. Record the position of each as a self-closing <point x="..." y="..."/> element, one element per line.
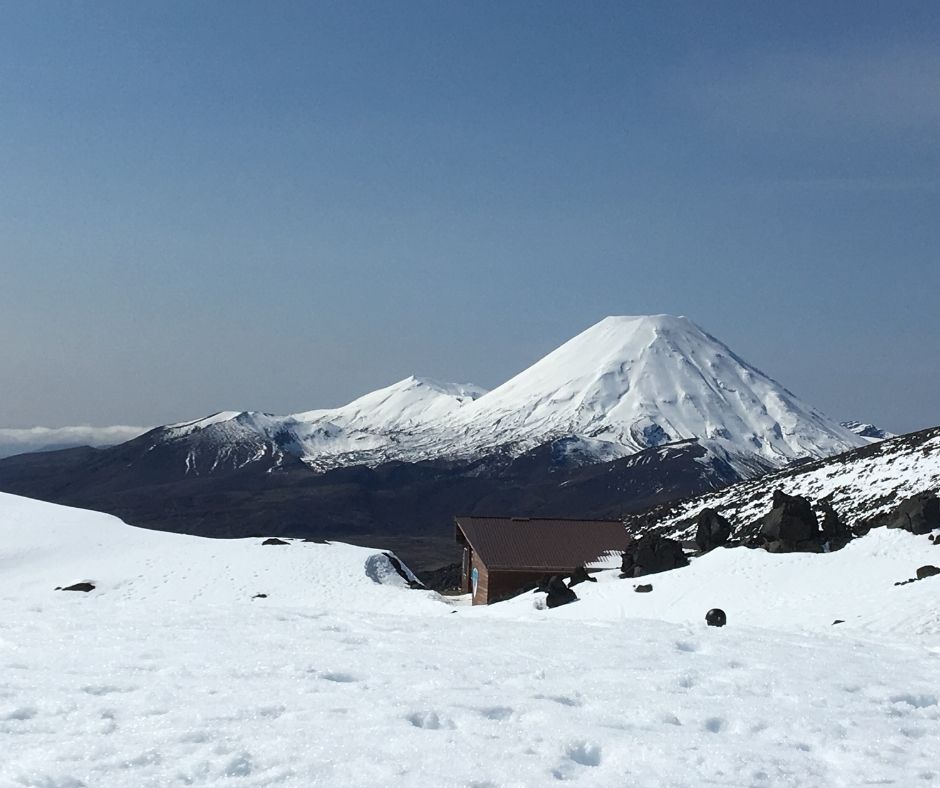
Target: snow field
<point x="171" y="673"/>
<point x="154" y="695"/>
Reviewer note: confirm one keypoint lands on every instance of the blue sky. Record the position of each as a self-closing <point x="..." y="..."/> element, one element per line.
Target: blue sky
<point x="280" y="206"/>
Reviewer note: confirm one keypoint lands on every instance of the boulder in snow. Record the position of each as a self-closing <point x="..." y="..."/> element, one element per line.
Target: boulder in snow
<point x="274" y="540"/>
<point x="791" y="525"/>
<point x="927" y="571"/>
<point x="650" y="554"/>
<point x="580" y="575"/>
<point x="919" y="514"/>
<point x="712" y="530"/>
<point x="558" y="593"/>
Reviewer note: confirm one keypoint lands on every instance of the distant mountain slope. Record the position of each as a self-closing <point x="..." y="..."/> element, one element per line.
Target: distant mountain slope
<point x="624" y="385"/>
<point x="636" y="382"/>
<point x="33" y="439"/>
<point x="632" y="412"/>
<point x="861" y="484"/>
<point x="869" y="431"/>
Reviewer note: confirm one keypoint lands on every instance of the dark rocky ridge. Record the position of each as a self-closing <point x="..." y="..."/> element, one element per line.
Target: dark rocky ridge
<point x="405" y="507"/>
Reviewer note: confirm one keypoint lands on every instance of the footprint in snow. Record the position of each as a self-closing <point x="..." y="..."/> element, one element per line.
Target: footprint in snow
<point x="339" y="678"/>
<point x="429" y="720"/>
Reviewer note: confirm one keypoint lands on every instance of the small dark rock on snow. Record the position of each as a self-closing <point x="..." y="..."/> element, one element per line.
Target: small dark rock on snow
<point x="643" y="589"/>
<point x="716" y="617"/>
<point x="86" y="587"/>
<point x="927" y="571"/>
<point x="274" y="540"/>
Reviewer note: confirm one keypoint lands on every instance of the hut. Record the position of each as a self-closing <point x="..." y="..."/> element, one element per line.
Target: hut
<point x="503" y="556"/>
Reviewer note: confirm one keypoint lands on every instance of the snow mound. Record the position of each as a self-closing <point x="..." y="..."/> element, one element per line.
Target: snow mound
<point x="44" y="546"/>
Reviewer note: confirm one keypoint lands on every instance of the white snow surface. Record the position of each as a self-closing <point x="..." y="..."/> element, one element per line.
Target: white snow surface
<point x="169" y="673"/>
<point x="623" y="385"/>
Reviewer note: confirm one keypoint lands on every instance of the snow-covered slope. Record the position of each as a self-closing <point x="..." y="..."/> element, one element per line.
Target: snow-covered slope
<point x="43" y="545"/>
<point x="861" y="485"/>
<point x="171" y="673"/>
<point x="792" y="591"/>
<point x="637" y="382"/>
<point x="623" y="385"/>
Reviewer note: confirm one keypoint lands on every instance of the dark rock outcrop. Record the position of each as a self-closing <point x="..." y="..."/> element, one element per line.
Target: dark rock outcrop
<point x="274" y="540"/>
<point x="927" y="571"/>
<point x="834" y="528"/>
<point x="650" y="554"/>
<point x="558" y="593"/>
<point x="712" y="530"/>
<point x="580" y="575"/>
<point x="791" y="525"/>
<point x="643" y="589"/>
<point x="919" y="514"/>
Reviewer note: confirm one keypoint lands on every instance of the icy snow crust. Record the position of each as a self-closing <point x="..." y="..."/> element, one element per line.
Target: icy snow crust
<point x="625" y="384"/>
<point x="170" y="674"/>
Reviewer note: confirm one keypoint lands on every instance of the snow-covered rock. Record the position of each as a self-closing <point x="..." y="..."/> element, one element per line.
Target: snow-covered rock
<point x="869" y="431"/>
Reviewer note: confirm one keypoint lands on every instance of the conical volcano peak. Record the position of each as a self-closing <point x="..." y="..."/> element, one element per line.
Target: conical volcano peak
<point x="640" y="381"/>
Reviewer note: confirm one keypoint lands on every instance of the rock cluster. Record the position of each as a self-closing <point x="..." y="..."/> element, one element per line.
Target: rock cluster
<point x="650" y="554"/>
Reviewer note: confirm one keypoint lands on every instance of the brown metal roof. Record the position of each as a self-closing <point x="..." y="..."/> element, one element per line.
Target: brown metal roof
<point x="541" y="544"/>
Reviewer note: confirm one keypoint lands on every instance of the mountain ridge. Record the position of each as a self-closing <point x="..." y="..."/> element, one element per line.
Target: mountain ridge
<point x="623" y="385"/>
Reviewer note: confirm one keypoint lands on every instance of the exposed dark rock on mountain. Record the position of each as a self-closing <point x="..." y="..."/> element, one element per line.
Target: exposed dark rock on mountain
<point x="919" y="514"/>
<point x="855" y="491"/>
<point x="712" y="530"/>
<point x="644" y="588"/>
<point x="834" y="529"/>
<point x="927" y="571"/>
<point x="650" y="554"/>
<point x="274" y="541"/>
<point x="791" y="525"/>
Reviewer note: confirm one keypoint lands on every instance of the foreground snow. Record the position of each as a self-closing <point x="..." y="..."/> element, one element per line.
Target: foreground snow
<point x="170" y="673"/>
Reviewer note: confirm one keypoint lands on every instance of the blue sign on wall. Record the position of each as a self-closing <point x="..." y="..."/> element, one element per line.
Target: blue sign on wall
<point x="474" y="580"/>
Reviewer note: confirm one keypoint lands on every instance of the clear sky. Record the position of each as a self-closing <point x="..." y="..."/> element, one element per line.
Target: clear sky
<point x="280" y="206"/>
